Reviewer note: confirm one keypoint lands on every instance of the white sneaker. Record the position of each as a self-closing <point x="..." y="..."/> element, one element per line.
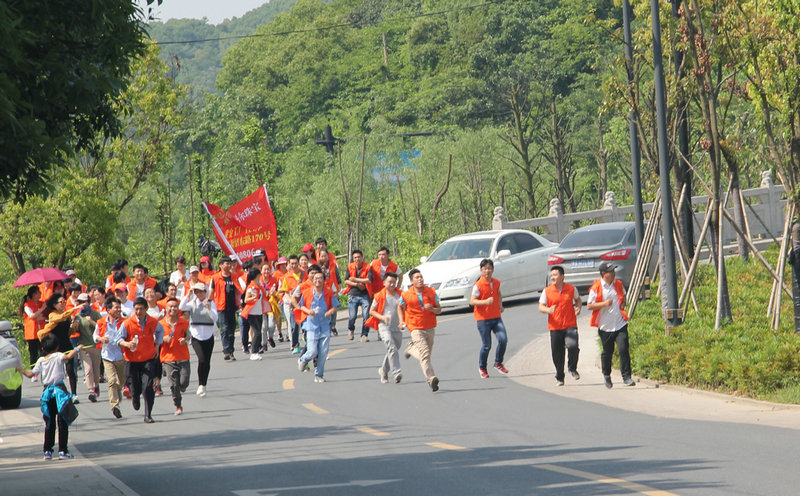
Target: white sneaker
<point x="255" y="357"/>
<point x="301" y="365"/>
<point x="201" y="390"/>
<point x="319" y="378"/>
<point x="383" y="375"/>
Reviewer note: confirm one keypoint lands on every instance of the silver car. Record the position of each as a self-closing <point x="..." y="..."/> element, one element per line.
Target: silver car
<point x="520" y="263"/>
<point x="10" y="359"/>
<point x="583" y="250"/>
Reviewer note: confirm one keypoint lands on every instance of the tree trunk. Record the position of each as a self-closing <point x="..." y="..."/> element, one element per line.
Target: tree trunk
<point x="794" y="260"/>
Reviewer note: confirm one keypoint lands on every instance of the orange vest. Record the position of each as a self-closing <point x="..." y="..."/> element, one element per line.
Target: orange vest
<point x="174" y="351"/>
<point x="110" y="280"/>
<point x="259" y="294"/>
<point x="352" y="271"/>
<point x="597" y="286"/>
<point x="149" y="282"/>
<point x="377" y="280"/>
<point x="307" y="293"/>
<point x="564" y="316"/>
<point x="487" y="312"/>
<point x="380" y="304"/>
<point x="32" y="325"/>
<point x="146" y="349"/>
<point x="102" y="324"/>
<point x="269" y="305"/>
<point x="416" y="317"/>
<point x="206" y="275"/>
<point x="219" y="290"/>
<point x="290" y="280"/>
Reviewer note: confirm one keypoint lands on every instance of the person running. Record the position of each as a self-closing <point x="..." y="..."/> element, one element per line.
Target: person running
<point x="562" y="304"/>
<point x="180" y="275"/>
<point x="206" y="272"/>
<point x="50" y="368"/>
<point x="359" y="285"/>
<point x="317" y="304"/>
<point x="288" y="284"/>
<point x="140" y="282"/>
<point x="107" y="333"/>
<point x="277" y="305"/>
<point x="419" y="306"/>
<point x="333" y="280"/>
<point x="607" y="303"/>
<point x="226" y="293"/>
<point x="90" y="356"/>
<point x="174" y="355"/>
<point x="385" y="318"/>
<point x="380" y="266"/>
<point x="141" y="337"/>
<point x="268" y="307"/>
<point x="62" y="323"/>
<point x="488" y="305"/>
<point x="253" y="310"/>
<point x="202" y="314"/>
<point x="155" y="311"/>
<point x="32" y="311"/>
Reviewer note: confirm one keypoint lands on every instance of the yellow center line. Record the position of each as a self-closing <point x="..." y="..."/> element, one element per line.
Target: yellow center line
<point x="446" y="446"/>
<point x="336" y="352"/>
<point x="370" y="430"/>
<point x="314" y="408"/>
<point x="631" y="486"/>
<point x="288" y="384"/>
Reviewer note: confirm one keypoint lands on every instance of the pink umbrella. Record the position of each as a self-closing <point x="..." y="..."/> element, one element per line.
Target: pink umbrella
<point x="43" y="274"/>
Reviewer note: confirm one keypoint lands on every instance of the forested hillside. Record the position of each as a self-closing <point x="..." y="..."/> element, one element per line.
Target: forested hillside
<point x="200" y="62"/>
<point x="443" y="110"/>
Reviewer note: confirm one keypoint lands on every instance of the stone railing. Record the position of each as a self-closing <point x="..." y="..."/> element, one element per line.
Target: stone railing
<point x="764" y="208"/>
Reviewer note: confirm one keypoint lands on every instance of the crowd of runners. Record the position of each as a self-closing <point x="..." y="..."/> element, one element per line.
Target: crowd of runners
<point x="132" y="332"/>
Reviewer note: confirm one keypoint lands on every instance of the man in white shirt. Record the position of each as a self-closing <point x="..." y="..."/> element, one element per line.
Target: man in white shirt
<point x="180" y="275"/>
<point x="607" y="304"/>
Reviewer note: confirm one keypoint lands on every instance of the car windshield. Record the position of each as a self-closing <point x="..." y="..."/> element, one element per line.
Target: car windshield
<point x="462" y="249"/>
<point x="590" y="239"/>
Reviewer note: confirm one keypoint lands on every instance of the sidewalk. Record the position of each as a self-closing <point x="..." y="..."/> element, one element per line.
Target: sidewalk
<point x="21" y="463"/>
<point x="533" y="367"/>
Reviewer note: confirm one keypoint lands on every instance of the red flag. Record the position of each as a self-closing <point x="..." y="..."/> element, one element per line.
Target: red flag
<point x="246" y="226"/>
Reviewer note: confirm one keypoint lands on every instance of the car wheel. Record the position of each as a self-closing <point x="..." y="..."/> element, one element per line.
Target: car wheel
<point x="11" y="401"/>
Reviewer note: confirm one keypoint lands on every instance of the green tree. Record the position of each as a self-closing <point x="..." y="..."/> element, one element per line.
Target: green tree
<point x="62" y="72"/>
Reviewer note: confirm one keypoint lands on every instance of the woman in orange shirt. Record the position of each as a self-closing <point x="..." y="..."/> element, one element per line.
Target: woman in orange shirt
<point x="32" y="312"/>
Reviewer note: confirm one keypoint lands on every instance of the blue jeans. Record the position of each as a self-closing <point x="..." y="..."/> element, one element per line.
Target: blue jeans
<point x="318" y="344"/>
<point x="227" y="329"/>
<point x="485" y="328"/>
<point x="353" y="302"/>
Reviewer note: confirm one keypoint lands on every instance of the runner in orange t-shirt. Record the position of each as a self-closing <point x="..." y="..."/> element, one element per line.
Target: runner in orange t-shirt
<point x="562" y="304"/>
<point x="488" y="305"/>
<point x="174" y="354"/>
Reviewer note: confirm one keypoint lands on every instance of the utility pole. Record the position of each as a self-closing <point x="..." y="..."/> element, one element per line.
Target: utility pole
<point x="638" y="214"/>
<point x="671" y="314"/>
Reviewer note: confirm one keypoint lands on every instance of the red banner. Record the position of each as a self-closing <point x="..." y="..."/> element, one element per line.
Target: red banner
<point x="246" y="226"/>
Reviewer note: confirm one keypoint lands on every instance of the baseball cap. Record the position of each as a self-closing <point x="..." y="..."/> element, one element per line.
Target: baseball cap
<point x="282" y="260"/>
<point x="121" y="287"/>
<point x="204" y="259"/>
<point x="308" y="247"/>
<point x="259" y="253"/>
<point x="70" y="272"/>
<point x="607" y="267"/>
<point x="83" y="297"/>
<point x="194" y="268"/>
<point x="198" y="286"/>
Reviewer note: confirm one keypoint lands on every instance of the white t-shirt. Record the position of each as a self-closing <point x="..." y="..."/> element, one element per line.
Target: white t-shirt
<point x="609" y="318"/>
<point x="50" y="369"/>
<point x="389" y="310"/>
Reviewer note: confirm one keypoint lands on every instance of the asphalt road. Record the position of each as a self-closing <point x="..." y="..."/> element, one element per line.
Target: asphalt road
<point x="267" y="429"/>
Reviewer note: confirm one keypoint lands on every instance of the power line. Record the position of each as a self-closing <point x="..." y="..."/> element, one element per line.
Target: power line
<point x="326" y="28"/>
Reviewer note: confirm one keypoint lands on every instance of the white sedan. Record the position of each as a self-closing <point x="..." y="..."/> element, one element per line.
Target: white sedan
<point x="520" y="263"/>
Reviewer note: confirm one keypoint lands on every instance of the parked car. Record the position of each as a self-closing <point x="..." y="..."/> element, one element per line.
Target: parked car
<point x="10" y="359"/>
<point x="520" y="263"/>
<point x="584" y="249"/>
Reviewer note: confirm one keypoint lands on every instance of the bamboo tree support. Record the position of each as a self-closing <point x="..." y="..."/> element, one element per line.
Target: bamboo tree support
<point x="783" y="249"/>
<point x="682" y="258"/>
<point x="776" y="315"/>
<point x="758" y="254"/>
<point x="645" y="252"/>
<point x="696" y="259"/>
<point x="720" y="263"/>
<point x="746" y="220"/>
